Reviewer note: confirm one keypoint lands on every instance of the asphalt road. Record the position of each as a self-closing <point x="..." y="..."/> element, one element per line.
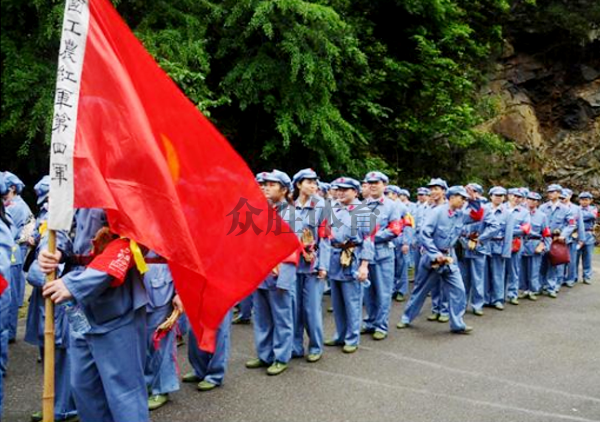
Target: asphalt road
<point x="539" y="361"/>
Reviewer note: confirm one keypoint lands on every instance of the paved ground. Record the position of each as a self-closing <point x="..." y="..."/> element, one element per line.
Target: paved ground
<point x="539" y="361"/>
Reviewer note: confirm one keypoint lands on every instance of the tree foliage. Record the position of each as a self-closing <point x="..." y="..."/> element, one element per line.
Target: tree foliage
<point x="342" y="86"/>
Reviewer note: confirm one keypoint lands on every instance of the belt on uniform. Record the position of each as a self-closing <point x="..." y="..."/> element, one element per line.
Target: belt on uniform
<point x="311" y="248"/>
<point x="345" y="245"/>
<point x="497" y="238"/>
<point x="533" y="237"/>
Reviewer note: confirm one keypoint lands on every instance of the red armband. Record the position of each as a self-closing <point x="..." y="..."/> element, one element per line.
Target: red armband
<point x="526" y="228"/>
<point x="396" y="226"/>
<point x="516" y="245"/>
<point x="3" y="284"/>
<point x="116" y="259"/>
<point x="372" y="234"/>
<point x="546" y="232"/>
<point x="477" y="215"/>
<point x="324" y="231"/>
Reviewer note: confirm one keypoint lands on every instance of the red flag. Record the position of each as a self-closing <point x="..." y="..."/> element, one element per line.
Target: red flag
<point x="3" y="284"/>
<point x="165" y="176"/>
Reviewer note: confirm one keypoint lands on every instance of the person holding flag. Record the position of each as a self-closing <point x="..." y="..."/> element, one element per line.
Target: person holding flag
<point x="64" y="404"/>
<point x="107" y="358"/>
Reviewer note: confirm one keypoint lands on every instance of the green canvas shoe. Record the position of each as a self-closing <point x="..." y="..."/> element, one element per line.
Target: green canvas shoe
<point x="467" y="330"/>
<point x="378" y="335"/>
<point x="158" y="400"/>
<point x="277" y="368"/>
<point x="191" y="377"/>
<point x="206" y="386"/>
<point x="313" y="357"/>
<point x="349" y="349"/>
<point x="332" y="342"/>
<point x="256" y="363"/>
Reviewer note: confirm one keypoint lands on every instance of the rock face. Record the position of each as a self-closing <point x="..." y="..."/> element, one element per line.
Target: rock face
<point x="551" y="111"/>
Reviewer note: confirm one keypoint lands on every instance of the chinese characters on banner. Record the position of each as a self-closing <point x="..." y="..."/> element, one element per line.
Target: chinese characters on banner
<point x="68" y="79"/>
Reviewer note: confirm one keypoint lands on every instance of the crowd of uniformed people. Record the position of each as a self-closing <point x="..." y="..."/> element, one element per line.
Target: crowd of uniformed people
<point x="359" y="240"/>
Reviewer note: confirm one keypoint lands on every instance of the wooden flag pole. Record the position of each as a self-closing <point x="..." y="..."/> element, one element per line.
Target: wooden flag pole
<point x="48" y="396"/>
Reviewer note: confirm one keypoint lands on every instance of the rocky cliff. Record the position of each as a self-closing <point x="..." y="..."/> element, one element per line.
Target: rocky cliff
<point x="550" y="109"/>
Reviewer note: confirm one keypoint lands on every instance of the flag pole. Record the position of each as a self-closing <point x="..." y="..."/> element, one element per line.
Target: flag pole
<point x="48" y="396"/>
<point x="60" y="213"/>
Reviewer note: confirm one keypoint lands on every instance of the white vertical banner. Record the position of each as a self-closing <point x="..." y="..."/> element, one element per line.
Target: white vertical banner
<point x="64" y="120"/>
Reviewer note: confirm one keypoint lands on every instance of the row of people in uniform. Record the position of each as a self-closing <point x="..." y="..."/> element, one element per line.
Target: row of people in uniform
<point x="502" y="243"/>
<point x="362" y="247"/>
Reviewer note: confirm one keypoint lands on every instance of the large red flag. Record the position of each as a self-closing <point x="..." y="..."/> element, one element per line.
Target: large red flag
<point x="126" y="139"/>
